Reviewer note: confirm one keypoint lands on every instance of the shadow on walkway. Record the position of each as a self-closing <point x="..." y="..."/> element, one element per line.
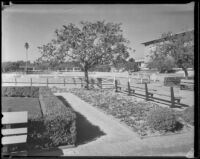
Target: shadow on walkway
<point x="86" y="131"/>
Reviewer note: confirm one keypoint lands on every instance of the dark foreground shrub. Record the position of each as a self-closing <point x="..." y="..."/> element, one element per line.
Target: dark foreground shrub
<point x="59" y="120"/>
<point x="188" y="115"/>
<point x="38" y="136"/>
<point x="162" y="119"/>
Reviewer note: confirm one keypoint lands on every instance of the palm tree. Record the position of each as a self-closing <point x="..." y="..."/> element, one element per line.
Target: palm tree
<point x="27" y="47"/>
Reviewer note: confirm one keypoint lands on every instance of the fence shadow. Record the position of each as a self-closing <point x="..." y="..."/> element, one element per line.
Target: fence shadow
<point x="86" y="131"/>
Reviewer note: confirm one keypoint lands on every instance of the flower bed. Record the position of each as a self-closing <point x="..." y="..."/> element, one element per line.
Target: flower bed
<point x="134" y="114"/>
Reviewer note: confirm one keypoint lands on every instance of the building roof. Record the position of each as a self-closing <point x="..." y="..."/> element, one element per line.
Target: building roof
<point x="158" y="40"/>
<point x="139" y="60"/>
<point x="27" y="66"/>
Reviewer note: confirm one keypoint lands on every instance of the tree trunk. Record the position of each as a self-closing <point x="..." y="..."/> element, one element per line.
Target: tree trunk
<point x="86" y="78"/>
<point x="186" y="73"/>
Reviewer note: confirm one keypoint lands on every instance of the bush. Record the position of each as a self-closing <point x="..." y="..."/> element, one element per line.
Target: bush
<point x="59" y="120"/>
<point x="188" y="115"/>
<point x="38" y="136"/>
<point x="162" y="119"/>
<point x="20" y="92"/>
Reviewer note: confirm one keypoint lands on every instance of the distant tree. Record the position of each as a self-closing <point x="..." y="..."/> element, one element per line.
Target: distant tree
<point x="119" y="63"/>
<point x="131" y="65"/>
<point x="42" y="64"/>
<point x="8" y="67"/>
<point x="90" y="44"/>
<point x="13" y="66"/>
<point x="174" y="50"/>
<point x="162" y="63"/>
<point x="26" y="47"/>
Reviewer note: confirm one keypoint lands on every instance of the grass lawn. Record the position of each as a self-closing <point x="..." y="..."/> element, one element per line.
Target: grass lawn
<point x="32" y="105"/>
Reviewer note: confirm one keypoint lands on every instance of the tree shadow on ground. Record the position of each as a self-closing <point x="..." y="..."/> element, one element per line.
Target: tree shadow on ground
<point x="86" y="131"/>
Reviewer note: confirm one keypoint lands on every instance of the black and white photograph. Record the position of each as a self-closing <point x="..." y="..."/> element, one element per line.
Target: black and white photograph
<point x="98" y="80"/>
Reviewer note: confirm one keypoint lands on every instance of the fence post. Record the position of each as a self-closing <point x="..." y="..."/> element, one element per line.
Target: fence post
<point x="15" y="81"/>
<point x="47" y="82"/>
<point x="172" y="97"/>
<point x="101" y="83"/>
<point x="31" y="81"/>
<point x="64" y="81"/>
<point x="81" y="82"/>
<point x="114" y="81"/>
<point x="146" y="91"/>
<point x="116" y="89"/>
<point x="129" y="89"/>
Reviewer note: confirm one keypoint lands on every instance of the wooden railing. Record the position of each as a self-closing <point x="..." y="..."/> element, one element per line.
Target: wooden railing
<point x="148" y="94"/>
<point x="13" y="135"/>
<point x="47" y="82"/>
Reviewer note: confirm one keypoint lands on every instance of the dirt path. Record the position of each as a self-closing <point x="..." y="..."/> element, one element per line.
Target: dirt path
<point x="120" y="140"/>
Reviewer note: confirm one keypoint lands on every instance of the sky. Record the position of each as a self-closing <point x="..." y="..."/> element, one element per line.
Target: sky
<point x="36" y="24"/>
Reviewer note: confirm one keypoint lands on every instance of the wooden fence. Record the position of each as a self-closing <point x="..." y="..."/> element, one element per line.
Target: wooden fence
<point x="47" y="81"/>
<point x="173" y="100"/>
<point x="103" y="83"/>
<point x="11" y="135"/>
<point x="100" y="82"/>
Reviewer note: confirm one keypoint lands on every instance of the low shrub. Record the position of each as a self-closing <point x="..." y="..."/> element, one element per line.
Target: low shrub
<point x="162" y="119"/>
<point x="59" y="120"/>
<point x="20" y="92"/>
<point x="188" y="115"/>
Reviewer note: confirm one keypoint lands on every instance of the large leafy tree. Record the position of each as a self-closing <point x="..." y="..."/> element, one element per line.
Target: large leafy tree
<point x="174" y="50"/>
<point x="89" y="43"/>
<point x="119" y="63"/>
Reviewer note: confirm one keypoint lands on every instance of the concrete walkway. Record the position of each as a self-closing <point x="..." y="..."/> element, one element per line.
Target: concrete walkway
<point x="119" y="140"/>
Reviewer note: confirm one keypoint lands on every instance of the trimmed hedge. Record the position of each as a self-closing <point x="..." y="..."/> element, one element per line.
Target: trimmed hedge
<point x="172" y="81"/>
<point x="162" y="119"/>
<point x="20" y="92"/>
<point x="59" y="120"/>
<point x="56" y="127"/>
<point x="38" y="136"/>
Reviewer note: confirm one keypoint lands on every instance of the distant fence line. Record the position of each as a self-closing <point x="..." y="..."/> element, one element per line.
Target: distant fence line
<point x="47" y="82"/>
<point x="111" y="83"/>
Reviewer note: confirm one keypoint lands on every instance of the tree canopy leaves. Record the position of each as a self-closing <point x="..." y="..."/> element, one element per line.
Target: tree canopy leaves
<point x="90" y="44"/>
<point x="174" y="50"/>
